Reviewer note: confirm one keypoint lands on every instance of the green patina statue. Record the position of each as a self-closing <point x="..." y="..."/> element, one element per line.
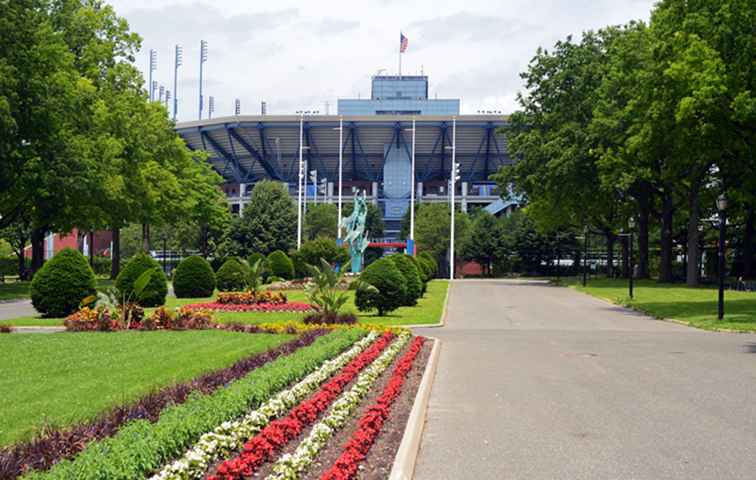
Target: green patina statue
<point x="356" y="237"/>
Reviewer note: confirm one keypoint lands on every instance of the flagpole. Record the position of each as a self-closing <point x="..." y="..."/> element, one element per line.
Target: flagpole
<point x="400" y="60"/>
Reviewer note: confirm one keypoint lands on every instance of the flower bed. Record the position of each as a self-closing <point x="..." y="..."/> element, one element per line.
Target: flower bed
<point x="251" y="298"/>
<point x="275" y="421"/>
<point x="142" y="447"/>
<point x="258" y="307"/>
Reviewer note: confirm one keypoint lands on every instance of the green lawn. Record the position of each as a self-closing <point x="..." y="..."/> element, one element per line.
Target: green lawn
<point x="427" y="311"/>
<point x="694" y="306"/>
<point x="65" y="378"/>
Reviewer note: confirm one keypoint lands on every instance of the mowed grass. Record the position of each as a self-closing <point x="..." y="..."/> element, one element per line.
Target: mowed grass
<point x="427" y="311"/>
<point x="65" y="378"/>
<point x="694" y="306"/>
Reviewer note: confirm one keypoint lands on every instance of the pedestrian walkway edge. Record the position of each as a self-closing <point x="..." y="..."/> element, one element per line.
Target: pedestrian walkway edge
<point x="406" y="456"/>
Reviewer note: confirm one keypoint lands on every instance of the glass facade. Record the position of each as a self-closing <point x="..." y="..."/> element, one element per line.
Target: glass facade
<point x="394" y="95"/>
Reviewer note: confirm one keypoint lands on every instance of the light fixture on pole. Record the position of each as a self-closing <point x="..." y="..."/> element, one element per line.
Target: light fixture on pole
<point x="412" y="188"/>
<point x="237" y="107"/>
<point x="210" y="106"/>
<point x="722" y="208"/>
<point x="631" y="226"/>
<point x="161" y="92"/>
<point x="299" y="186"/>
<point x="154" y="89"/>
<point x="203" y="59"/>
<point x="167" y="100"/>
<point x="153" y="67"/>
<point x="178" y="60"/>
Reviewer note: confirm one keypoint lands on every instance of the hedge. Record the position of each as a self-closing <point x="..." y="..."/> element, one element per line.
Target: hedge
<point x="155" y="292"/>
<point x="390" y="284"/>
<point x="62" y="283"/>
<point x="280" y="265"/>
<point x="232" y="276"/>
<point x="194" y="277"/>
<point x="142" y="447"/>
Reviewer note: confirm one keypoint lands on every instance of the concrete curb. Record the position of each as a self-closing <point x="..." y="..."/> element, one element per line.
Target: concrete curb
<point x="39" y="329"/>
<point x="444" y="314"/>
<point x="406" y="457"/>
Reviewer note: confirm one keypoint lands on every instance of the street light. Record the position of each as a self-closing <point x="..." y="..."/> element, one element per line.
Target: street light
<point x="722" y="207"/>
<point x="299" y="185"/>
<point x="629" y="236"/>
<point x="411" y="244"/>
<point x="341" y="158"/>
<point x="452" y="187"/>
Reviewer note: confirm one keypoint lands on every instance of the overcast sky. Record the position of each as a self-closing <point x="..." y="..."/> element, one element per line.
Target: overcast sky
<point x="301" y="54"/>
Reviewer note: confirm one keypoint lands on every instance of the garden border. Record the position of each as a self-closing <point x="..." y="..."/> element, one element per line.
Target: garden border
<point x="409" y="448"/>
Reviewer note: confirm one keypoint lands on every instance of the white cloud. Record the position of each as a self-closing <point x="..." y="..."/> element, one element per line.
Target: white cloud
<point x="296" y="54"/>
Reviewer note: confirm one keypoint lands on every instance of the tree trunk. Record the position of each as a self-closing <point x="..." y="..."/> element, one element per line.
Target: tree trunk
<point x="115" y="254"/>
<point x="665" y="266"/>
<point x="626" y="257"/>
<point x="146" y="237"/>
<point x="692" y="275"/>
<point x="91" y="248"/>
<point x="38" y="249"/>
<point x="644" y="212"/>
<point x="21" y="264"/>
<point x="747" y="257"/>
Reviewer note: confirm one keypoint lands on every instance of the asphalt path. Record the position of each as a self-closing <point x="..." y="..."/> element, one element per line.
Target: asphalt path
<point x="542" y="382"/>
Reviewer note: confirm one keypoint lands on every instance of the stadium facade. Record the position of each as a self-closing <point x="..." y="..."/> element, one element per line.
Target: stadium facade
<point x="376" y="150"/>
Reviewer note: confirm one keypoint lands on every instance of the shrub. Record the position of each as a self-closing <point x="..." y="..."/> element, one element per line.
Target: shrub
<point x="431" y="262"/>
<point x="62" y="283"/>
<point x="253" y="257"/>
<point x="312" y="251"/>
<point x="232" y="275"/>
<point x="280" y="265"/>
<point x="300" y="266"/>
<point x="154" y="293"/>
<point x="411" y="277"/>
<point x="425" y="267"/>
<point x="421" y="272"/>
<point x="389" y="283"/>
<point x="194" y="277"/>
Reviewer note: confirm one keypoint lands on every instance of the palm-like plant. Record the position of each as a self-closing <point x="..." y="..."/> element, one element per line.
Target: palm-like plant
<point x="255" y="277"/>
<point x="323" y="290"/>
<point x="126" y="306"/>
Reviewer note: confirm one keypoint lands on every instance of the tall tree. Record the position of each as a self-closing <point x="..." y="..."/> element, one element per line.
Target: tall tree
<point x="268" y="223"/>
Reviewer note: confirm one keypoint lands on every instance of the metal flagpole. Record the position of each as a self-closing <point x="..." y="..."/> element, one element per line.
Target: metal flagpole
<point x="453" y="183"/>
<point x="341" y="157"/>
<point x="301" y="175"/>
<point x="412" y="187"/>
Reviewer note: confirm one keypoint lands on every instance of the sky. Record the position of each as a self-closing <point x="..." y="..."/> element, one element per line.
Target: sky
<point x="304" y="55"/>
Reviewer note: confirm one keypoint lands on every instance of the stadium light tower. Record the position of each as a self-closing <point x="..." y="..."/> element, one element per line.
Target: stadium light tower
<point x="203" y="59"/>
<point x="237" y="107"/>
<point x="161" y="92"/>
<point x="153" y="67"/>
<point x="167" y="100"/>
<point x="210" y="106"/>
<point x="178" y="60"/>
<point x="299" y="185"/>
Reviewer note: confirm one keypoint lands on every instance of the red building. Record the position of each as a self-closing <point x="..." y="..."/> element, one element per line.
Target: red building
<point x="55" y="242"/>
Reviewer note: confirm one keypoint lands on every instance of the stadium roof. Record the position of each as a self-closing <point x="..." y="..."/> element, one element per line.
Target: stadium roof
<point x="247" y="148"/>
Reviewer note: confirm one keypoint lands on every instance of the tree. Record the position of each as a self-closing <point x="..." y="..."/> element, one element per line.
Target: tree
<point x="321" y="221"/>
<point x="432" y="231"/>
<point x="17" y="235"/>
<point x="269" y="221"/>
<point x="484" y="246"/>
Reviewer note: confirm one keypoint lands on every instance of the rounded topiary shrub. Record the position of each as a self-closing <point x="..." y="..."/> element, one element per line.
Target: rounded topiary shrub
<point x="322" y="247"/>
<point x="411" y="277"/>
<point x="194" y="277"/>
<point x="390" y="287"/>
<point x="280" y="265"/>
<point x="154" y="293"/>
<point x="232" y="276"/>
<point x="62" y="283"/>
<point x="421" y="272"/>
<point x="301" y="269"/>
<point x="253" y="257"/>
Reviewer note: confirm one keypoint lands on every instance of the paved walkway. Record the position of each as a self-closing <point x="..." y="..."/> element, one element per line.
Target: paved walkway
<point x="540" y="382"/>
<point x="16" y="309"/>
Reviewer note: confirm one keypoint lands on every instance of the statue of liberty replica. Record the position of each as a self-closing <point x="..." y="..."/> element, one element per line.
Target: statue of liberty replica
<point x="356" y="237"/>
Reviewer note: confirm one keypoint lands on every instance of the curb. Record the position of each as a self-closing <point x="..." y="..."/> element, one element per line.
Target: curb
<point x="444" y="314"/>
<point x="39" y="329"/>
<point x="406" y="457"/>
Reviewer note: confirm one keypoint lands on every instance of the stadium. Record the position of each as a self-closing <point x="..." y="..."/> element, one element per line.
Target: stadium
<point x="376" y="150"/>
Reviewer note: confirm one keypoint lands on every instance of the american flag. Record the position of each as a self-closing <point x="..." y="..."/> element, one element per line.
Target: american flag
<point x="403" y="42"/>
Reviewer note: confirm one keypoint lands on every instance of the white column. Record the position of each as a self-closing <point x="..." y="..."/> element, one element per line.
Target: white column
<point x="375" y="193"/>
<point x="341" y="161"/>
<point x="464" y="197"/>
<point x="452" y="184"/>
<point x="301" y="174"/>
<point x="419" y="191"/>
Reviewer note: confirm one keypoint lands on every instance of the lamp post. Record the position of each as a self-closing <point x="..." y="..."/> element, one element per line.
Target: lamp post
<point x="631" y="225"/>
<point x="341" y="158"/>
<point x="412" y="188"/>
<point x="722" y="208"/>
<point x="301" y="178"/>
<point x="452" y="185"/>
